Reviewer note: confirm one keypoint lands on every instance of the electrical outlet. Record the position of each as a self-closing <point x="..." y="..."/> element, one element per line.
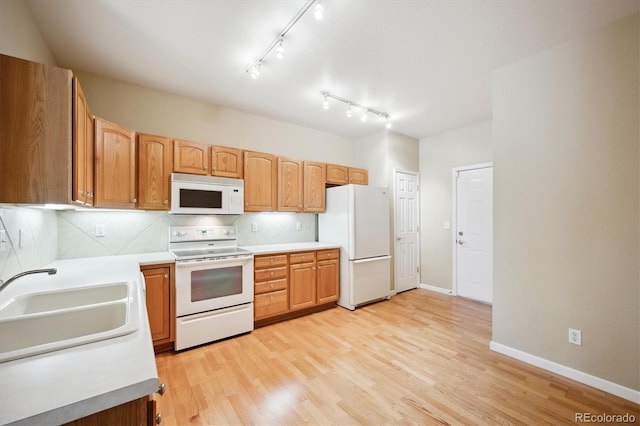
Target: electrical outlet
<point x="298" y="225"/>
<point x="254" y="227"/>
<point x="100" y="230"/>
<point x="575" y="336"/>
<point x="20" y="238"/>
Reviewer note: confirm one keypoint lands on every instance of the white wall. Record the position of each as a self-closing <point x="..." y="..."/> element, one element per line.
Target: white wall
<point x="439" y="154"/>
<point x="19" y="37"/>
<point x="567" y="182"/>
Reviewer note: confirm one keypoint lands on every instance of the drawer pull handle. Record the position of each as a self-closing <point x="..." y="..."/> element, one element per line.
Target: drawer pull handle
<point x="272" y="273"/>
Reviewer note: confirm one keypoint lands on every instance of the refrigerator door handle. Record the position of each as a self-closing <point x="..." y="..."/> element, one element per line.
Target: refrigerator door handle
<point x="372" y="259"/>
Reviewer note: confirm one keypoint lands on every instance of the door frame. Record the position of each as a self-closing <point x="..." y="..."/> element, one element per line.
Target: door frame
<point x="397" y="170"/>
<point x="454" y="219"/>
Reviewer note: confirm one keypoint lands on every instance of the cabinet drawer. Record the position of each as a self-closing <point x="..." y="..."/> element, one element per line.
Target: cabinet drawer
<point x="270" y="304"/>
<point x="271" y="274"/>
<point x="328" y="254"/>
<point x="261" y="262"/>
<point x="307" y="256"/>
<point x="265" y="287"/>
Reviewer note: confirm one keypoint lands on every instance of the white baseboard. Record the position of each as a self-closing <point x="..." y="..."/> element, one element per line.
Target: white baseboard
<point x="579" y="376"/>
<point x="435" y="288"/>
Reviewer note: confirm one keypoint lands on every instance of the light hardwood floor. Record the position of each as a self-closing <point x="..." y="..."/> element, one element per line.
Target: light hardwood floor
<point x="419" y="358"/>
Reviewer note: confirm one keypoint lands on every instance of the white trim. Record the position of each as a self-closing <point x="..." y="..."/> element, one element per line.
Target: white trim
<point x="454" y="219"/>
<point x="573" y="374"/>
<point x="397" y="170"/>
<point x="435" y="288"/>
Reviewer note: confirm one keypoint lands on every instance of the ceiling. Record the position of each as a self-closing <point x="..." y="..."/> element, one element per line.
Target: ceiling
<point x="427" y="63"/>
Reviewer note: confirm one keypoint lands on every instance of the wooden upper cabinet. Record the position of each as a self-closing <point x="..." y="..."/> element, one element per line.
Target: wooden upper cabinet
<point x="290" y="185"/>
<point x="260" y="182"/>
<point x="83" y="142"/>
<point x="314" y="186"/>
<point x="337" y="175"/>
<point x="155" y="164"/>
<point x="35" y="132"/>
<point x="115" y="166"/>
<point x="358" y="176"/>
<point x="191" y="157"/>
<point x="227" y="162"/>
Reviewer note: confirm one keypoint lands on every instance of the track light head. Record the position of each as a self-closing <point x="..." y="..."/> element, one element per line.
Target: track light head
<point x="254" y="70"/>
<point x="325" y="103"/>
<point x="318" y="11"/>
<point x="365" y="116"/>
<point x="387" y="122"/>
<point x="280" y="50"/>
<point x="349" y="112"/>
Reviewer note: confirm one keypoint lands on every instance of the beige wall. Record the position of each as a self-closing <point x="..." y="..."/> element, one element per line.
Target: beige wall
<point x="154" y="111"/>
<point x="566" y="170"/>
<point x="19" y="35"/>
<point x="439" y="154"/>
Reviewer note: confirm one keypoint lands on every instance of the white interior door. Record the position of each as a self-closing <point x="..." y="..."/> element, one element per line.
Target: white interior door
<point x="406" y="231"/>
<point x="474" y="234"/>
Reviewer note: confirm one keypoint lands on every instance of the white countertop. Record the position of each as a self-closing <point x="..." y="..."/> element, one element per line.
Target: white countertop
<point x="60" y="386"/>
<point x="289" y="247"/>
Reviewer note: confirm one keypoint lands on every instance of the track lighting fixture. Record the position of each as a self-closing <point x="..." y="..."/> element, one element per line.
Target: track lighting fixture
<point x="350" y="105"/>
<point x="278" y="41"/>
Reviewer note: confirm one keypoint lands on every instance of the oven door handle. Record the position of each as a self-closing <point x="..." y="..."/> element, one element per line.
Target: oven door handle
<point x="192" y="262"/>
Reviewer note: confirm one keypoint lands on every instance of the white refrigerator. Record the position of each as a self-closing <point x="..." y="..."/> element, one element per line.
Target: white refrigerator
<point x="357" y="219"/>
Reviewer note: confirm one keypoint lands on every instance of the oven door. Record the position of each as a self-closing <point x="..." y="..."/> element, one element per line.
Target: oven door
<point x="205" y="285"/>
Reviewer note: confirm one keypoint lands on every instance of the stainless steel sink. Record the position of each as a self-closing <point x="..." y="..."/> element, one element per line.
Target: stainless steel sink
<point x="37" y="323"/>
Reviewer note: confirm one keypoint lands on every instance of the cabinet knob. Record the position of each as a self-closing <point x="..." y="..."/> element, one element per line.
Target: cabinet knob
<point x="272" y="273"/>
<point x="158" y="418"/>
<point x="271" y="260"/>
<point x="162" y="389"/>
<point x="313" y="268"/>
<point x="270" y="298"/>
<point x="134" y="200"/>
<point x="166" y="276"/>
<point x="271" y="285"/>
<point x="166" y="202"/>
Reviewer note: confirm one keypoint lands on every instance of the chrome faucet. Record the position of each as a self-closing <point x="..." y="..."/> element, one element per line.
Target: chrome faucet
<point x="3" y="284"/>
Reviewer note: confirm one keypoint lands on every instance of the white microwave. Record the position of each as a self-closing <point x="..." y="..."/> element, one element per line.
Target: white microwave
<point x="195" y="194"/>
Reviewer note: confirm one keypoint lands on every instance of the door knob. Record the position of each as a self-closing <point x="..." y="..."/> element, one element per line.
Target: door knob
<point x="460" y="242"/>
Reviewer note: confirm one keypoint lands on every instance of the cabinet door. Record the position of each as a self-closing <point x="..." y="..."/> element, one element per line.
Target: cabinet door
<point x="328" y="280"/>
<point x="226" y="162"/>
<point x="159" y="303"/>
<point x="35" y="132"/>
<point x="358" y="176"/>
<point x="290" y="185"/>
<point x="82" y="147"/>
<point x="302" y="286"/>
<point x="115" y="166"/>
<point x="314" y="186"/>
<point x="155" y="163"/>
<point x="190" y="157"/>
<point x="337" y="175"/>
<point x="260" y="182"/>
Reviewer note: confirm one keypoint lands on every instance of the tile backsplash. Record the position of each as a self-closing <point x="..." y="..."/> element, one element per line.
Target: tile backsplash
<point x="141" y="232"/>
<point x="31" y="239"/>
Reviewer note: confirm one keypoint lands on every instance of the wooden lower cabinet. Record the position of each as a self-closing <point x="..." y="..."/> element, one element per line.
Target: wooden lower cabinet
<point x="160" y="300"/>
<point x="293" y="284"/>
<point x="141" y="411"/>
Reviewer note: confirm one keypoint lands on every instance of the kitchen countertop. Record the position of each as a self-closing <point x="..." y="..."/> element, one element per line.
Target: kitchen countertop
<point x="63" y="385"/>
<point x="289" y="247"/>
